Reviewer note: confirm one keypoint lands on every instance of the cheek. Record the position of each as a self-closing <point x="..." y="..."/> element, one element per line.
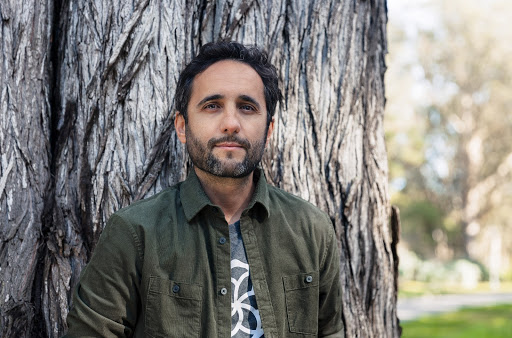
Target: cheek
<point x="203" y="129"/>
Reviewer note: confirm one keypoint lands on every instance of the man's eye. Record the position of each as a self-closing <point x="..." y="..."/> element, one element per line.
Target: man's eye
<point x="247" y="107"/>
<point x="210" y="106"/>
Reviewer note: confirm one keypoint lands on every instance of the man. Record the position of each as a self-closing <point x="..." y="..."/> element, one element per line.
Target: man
<point x="222" y="253"/>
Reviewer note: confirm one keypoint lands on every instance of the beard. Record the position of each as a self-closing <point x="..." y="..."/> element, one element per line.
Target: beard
<point x="203" y="158"/>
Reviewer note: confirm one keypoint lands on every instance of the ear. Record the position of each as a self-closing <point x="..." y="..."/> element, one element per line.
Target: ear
<point x="269" y="131"/>
<point x="179" y="126"/>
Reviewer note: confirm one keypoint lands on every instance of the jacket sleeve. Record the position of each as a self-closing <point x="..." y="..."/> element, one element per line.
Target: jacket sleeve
<point x="330" y="323"/>
<point x="106" y="301"/>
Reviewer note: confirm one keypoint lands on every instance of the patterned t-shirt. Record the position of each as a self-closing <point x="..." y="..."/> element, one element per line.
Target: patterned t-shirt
<point x="245" y="317"/>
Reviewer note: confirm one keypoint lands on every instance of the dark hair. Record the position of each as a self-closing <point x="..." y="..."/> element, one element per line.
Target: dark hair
<point x="227" y="50"/>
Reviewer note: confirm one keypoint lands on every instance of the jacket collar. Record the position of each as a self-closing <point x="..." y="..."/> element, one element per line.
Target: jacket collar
<point x="194" y="199"/>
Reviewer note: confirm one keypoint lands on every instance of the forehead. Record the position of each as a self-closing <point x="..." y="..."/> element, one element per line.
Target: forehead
<point x="228" y="77"/>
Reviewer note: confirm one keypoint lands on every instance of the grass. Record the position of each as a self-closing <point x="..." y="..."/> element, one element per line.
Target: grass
<point x="408" y="288"/>
<point x="482" y="322"/>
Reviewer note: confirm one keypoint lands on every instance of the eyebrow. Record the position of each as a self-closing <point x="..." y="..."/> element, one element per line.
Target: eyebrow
<point x="246" y="98"/>
<point x="209" y="98"/>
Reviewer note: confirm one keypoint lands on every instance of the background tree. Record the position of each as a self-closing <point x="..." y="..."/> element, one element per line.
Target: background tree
<point x="100" y="134"/>
<point x="449" y="141"/>
<point x="471" y="126"/>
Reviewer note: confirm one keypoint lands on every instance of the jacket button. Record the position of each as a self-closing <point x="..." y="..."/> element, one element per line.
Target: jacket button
<point x="222" y="240"/>
<point x="223" y="291"/>
<point x="309" y="279"/>
<point x="176" y="288"/>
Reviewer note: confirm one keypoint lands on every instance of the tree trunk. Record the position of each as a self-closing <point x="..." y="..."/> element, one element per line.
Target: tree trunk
<point x="25" y="157"/>
<point x="103" y="113"/>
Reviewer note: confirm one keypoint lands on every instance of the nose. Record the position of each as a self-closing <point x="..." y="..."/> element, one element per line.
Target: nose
<point x="230" y="123"/>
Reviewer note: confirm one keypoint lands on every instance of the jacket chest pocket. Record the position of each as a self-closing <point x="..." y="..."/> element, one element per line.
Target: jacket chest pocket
<point x="301" y="295"/>
<point x="173" y="309"/>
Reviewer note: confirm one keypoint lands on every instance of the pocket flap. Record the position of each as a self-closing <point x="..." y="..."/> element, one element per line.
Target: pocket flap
<point x="175" y="288"/>
<point x="301" y="281"/>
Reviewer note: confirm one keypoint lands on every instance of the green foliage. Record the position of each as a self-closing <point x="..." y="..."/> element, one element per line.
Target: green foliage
<point x="423" y="211"/>
<point x="470" y="322"/>
<point x="419" y="219"/>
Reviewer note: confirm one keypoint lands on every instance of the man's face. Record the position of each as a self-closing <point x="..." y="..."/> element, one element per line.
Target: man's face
<point x="226" y="132"/>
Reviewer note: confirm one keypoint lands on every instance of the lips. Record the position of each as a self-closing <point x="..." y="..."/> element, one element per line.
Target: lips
<point x="229" y="142"/>
<point x="228" y="145"/>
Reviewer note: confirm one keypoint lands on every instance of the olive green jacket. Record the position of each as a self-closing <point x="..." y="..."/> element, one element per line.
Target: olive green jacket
<point x="162" y="268"/>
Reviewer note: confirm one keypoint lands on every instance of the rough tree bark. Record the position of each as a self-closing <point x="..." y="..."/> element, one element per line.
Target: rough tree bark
<point x="25" y="92"/>
<point x="87" y="128"/>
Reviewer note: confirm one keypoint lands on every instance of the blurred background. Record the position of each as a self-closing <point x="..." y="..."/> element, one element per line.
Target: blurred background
<point x="449" y="137"/>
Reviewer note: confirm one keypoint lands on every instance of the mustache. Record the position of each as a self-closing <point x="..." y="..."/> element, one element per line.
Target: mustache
<point x="229" y="138"/>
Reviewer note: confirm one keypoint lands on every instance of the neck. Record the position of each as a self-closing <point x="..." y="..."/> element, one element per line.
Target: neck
<point x="232" y="195"/>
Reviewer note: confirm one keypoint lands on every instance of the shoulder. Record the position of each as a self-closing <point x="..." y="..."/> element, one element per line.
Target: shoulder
<point x="143" y="220"/>
<point x="147" y="210"/>
<point x="297" y="209"/>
